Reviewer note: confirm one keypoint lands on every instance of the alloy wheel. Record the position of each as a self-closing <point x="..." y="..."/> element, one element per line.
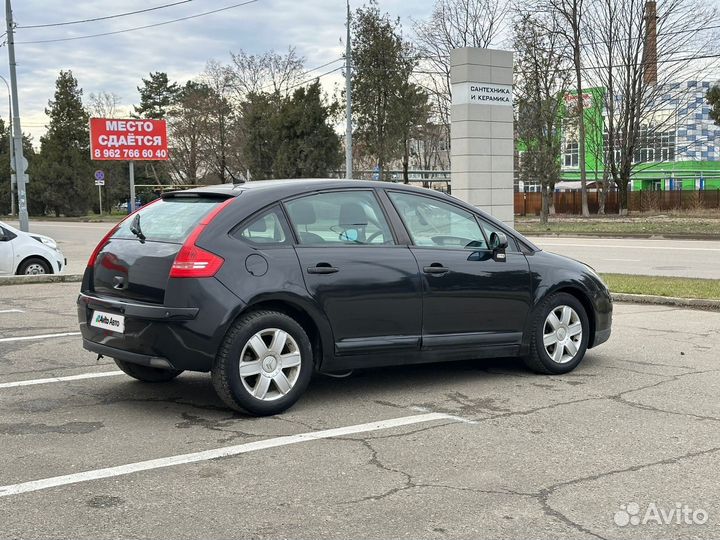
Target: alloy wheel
<point x="270" y="364"/>
<point x="562" y="334"/>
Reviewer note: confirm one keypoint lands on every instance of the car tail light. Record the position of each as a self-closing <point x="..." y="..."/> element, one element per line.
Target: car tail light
<point x="193" y="261"/>
<point x="106" y="238"/>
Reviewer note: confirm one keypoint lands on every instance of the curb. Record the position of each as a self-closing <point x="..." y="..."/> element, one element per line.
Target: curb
<point x="694" y="303"/>
<point x="651" y="236"/>
<point x="52" y="278"/>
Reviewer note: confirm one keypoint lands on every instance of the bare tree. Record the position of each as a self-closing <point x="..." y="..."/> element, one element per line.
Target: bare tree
<point x="454" y="24"/>
<point x="541" y="81"/>
<point x="641" y="96"/>
<point x="104" y="105"/>
<point x="220" y="122"/>
<point x="570" y="18"/>
<point x="268" y="72"/>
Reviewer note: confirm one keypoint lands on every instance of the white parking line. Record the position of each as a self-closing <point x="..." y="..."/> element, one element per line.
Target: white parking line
<point x="45" y="483"/>
<point x="11" y="311"/>
<point x="60" y="379"/>
<point x="41" y="336"/>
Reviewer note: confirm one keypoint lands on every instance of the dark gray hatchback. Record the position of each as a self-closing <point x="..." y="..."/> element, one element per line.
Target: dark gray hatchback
<point x="266" y="282"/>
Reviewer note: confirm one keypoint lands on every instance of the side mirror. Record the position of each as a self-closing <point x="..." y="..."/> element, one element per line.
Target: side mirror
<point x="498" y="244"/>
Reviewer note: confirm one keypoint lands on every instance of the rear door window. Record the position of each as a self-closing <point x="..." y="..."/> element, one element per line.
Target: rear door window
<point x="339" y="218"/>
<point x="170" y="220"/>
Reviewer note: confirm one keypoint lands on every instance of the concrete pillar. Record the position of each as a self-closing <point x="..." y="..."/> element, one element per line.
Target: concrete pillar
<point x="482" y="132"/>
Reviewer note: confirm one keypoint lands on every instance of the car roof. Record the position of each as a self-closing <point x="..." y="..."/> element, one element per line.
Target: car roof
<point x="290" y="186"/>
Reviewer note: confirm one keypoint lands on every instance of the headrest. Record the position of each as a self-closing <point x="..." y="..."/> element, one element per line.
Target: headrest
<point x="303" y="213"/>
<point x="352" y="215"/>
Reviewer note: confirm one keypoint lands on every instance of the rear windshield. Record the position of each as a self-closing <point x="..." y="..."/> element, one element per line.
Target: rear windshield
<point x="169" y="220"/>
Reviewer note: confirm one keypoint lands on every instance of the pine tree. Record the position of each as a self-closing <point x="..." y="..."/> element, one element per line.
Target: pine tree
<point x="63" y="176"/>
<point x="308" y="145"/>
<point x="157" y="96"/>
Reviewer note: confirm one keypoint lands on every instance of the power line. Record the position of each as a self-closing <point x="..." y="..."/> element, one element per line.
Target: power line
<point x="118" y="15"/>
<point x="264" y="88"/>
<point x="226" y="8"/>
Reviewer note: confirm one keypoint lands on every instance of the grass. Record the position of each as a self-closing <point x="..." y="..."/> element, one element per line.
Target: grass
<point x="704" y="225"/>
<point x="664" y="286"/>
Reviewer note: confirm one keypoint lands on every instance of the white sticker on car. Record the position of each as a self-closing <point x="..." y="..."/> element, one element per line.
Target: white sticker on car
<point x="108" y="321"/>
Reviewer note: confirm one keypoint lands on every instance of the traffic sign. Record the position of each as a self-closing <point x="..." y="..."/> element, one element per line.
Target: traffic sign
<point x="99" y="175"/>
<point x="99" y="182"/>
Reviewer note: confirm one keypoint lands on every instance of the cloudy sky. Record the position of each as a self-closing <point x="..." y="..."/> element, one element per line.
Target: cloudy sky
<point x="116" y="63"/>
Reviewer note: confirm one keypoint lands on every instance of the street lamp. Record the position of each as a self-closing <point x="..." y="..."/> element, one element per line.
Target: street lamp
<point x="10" y="144"/>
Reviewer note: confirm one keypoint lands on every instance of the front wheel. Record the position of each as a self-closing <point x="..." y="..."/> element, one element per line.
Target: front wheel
<point x="560" y="335"/>
<point x="147" y="373"/>
<point x="264" y="365"/>
<point x="34" y="267"/>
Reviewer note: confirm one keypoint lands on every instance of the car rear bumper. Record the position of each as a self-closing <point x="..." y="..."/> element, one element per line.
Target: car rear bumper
<point x="160" y="335"/>
<point x="120" y="354"/>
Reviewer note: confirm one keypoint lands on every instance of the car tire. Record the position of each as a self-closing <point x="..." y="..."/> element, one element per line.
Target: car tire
<point x="146" y="373"/>
<point x="264" y="364"/>
<point x="34" y="266"/>
<point x="555" y="345"/>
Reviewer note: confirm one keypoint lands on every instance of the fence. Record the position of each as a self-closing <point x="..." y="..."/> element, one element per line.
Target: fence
<point x="569" y="202"/>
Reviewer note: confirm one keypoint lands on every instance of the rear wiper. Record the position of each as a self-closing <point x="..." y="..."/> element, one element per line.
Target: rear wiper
<point x="136" y="229"/>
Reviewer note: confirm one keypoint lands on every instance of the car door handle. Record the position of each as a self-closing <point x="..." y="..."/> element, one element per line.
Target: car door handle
<point x="436" y="268"/>
<point x="322" y="268"/>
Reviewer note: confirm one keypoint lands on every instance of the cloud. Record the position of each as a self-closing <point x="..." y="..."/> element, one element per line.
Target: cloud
<point x="116" y="63"/>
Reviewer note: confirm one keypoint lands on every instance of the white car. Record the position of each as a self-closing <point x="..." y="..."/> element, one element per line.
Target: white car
<point x="28" y="253"/>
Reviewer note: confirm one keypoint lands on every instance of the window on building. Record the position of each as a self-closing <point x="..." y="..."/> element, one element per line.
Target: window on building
<point x="652" y="145"/>
<point x="571" y="154"/>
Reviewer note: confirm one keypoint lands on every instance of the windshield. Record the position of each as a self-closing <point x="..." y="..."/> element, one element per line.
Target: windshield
<point x="169" y="220"/>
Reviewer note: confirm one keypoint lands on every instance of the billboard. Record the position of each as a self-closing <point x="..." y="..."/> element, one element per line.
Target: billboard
<point x="113" y="139"/>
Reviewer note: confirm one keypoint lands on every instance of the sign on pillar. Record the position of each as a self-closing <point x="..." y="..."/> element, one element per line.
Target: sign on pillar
<point x="131" y="140"/>
<point x="482" y="130"/>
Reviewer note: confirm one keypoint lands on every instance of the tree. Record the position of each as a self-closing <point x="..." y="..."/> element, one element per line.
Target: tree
<point x="63" y="177"/>
<point x="383" y="64"/>
<point x="569" y="22"/>
<point x="260" y="141"/>
<point x="308" y="145"/>
<point x="157" y="95"/>
<point x="454" y="24"/>
<point x="220" y="118"/>
<point x="541" y="82"/>
<point x="269" y="72"/>
<point x="186" y="124"/>
<point x="292" y="136"/>
<point x="104" y="105"/>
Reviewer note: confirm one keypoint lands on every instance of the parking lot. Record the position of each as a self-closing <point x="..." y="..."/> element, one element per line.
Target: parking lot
<point x="436" y="451"/>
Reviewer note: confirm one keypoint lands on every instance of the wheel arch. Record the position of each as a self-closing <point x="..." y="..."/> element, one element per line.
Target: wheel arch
<point x="574" y="290"/>
<point x="317" y="328"/>
<point x="34" y="256"/>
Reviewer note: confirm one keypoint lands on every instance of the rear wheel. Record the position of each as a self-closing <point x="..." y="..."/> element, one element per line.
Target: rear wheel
<point x="560" y="335"/>
<point x="34" y="267"/>
<point x="147" y="373"/>
<point x="264" y="365"/>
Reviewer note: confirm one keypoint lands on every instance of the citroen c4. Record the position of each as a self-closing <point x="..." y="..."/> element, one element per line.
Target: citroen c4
<point x="263" y="283"/>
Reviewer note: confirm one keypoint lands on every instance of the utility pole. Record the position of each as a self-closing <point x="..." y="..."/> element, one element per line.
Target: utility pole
<point x="19" y="164"/>
<point x="348" y="96"/>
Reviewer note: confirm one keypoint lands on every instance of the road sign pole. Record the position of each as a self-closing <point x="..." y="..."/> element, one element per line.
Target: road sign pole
<point x="100" y="197"/>
<point x="131" y="170"/>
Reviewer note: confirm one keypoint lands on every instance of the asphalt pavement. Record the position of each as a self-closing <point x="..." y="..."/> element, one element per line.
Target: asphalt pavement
<point x="458" y="450"/>
<point x="685" y="258"/>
